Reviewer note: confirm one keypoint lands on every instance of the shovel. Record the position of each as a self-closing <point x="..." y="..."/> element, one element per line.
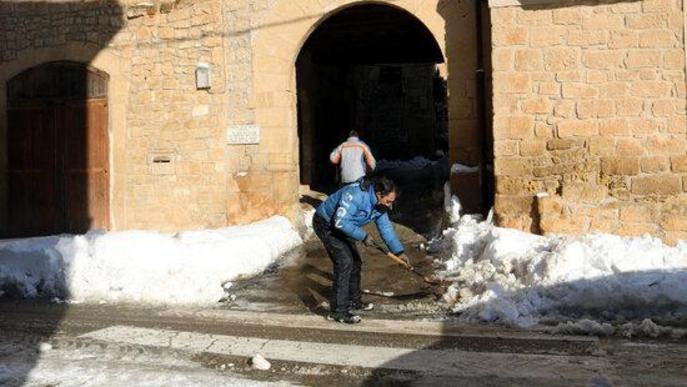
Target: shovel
<point x="409" y="267"/>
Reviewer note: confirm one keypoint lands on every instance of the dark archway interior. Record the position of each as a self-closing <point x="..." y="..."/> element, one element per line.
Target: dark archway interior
<point x="371" y="68"/>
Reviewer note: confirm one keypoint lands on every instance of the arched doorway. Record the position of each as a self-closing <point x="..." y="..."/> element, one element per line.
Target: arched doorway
<point x="57" y="148"/>
<point x="369" y="68"/>
<point x="374" y="68"/>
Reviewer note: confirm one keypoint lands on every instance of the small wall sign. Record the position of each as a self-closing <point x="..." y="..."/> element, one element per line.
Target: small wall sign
<point x="243" y="134"/>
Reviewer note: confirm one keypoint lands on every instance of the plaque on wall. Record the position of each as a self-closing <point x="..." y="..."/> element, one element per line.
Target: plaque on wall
<point x="243" y="134"/>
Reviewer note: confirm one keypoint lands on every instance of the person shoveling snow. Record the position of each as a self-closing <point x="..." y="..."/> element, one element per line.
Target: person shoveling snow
<point x="338" y="223"/>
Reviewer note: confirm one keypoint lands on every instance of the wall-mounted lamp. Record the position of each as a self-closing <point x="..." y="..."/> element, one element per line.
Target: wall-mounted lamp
<point x="202" y="76"/>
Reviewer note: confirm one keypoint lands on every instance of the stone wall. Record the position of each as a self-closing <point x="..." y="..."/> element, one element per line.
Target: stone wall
<point x="589" y="111"/>
<point x="150" y="50"/>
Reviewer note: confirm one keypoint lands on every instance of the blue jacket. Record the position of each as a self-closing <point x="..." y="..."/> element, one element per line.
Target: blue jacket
<point x="350" y="208"/>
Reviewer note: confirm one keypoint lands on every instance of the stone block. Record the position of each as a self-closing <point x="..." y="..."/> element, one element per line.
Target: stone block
<point x="505" y="148"/>
<point x="603" y="59"/>
<point x="579" y="90"/>
<point x="561" y="144"/>
<point x="587" y="38"/>
<point x="561" y="58"/>
<point x="678" y="163"/>
<point x="597" y="108"/>
<point x="657" y="38"/>
<point x="674" y="222"/>
<point x="654" y="164"/>
<point x="612" y="89"/>
<point x="570" y="76"/>
<point x="536" y="106"/>
<point x="663" y="145"/>
<point x="538" y="17"/>
<point x="629" y="107"/>
<point x="638" y="59"/>
<point x="567" y="16"/>
<point x="597" y="21"/>
<point x="629" y="147"/>
<point x="677" y="124"/>
<point x="620" y="166"/>
<point x="613" y="127"/>
<point x="549" y="88"/>
<point x="622" y="39"/>
<point x="513" y="205"/>
<point x="547" y="36"/>
<point x="664" y="107"/>
<point x="532" y="148"/>
<point x="576" y="128"/>
<point x="654" y="6"/>
<point x="550" y="205"/>
<point x="511" y="83"/>
<point x="509" y="36"/>
<point x="602" y="146"/>
<point x="584" y="192"/>
<point x="657" y="185"/>
<point x="645" y="21"/>
<point x="528" y="59"/>
<point x="502" y="58"/>
<point x="644" y="125"/>
<point x="636" y="229"/>
<point x="513" y="127"/>
<point x="637" y="213"/>
<point x="511" y="167"/>
<point x="674" y="60"/>
<point x="564" y="225"/>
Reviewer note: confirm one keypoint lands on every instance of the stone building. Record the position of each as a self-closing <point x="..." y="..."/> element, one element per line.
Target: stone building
<point x="188" y="114"/>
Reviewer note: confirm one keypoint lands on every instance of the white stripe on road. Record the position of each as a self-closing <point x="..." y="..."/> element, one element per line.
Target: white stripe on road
<point x="406" y="327"/>
<point x="438" y="362"/>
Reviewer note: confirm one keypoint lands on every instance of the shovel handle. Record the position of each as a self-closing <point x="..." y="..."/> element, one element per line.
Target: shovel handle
<point x="405" y="264"/>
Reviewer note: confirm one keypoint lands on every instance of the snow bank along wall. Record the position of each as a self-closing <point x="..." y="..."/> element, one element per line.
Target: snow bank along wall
<point x="589" y="106"/>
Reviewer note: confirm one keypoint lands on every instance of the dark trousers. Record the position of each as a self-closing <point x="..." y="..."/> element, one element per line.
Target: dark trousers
<point x="347" y="264"/>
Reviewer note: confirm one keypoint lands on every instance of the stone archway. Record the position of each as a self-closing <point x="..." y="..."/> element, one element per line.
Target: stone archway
<point x="278" y="40"/>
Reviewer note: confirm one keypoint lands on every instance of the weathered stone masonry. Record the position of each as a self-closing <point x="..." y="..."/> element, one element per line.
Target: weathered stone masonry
<point x="589" y="107"/>
<point x="150" y="50"/>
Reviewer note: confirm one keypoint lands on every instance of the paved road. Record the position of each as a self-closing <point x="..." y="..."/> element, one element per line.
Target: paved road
<point x="186" y="346"/>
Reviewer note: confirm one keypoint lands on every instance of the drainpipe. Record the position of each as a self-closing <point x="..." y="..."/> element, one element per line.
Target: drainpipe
<point x="480" y="77"/>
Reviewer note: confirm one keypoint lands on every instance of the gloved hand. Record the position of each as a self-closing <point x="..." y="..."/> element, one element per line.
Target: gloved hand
<point x="369" y="242"/>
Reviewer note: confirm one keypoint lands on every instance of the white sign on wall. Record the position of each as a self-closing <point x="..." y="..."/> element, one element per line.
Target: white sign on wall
<point x="243" y="134"/>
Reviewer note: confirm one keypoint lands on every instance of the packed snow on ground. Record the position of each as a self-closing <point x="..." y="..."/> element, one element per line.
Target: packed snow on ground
<point x="111" y="367"/>
<point x="416" y="162"/>
<point x="142" y="266"/>
<point x="504" y="275"/>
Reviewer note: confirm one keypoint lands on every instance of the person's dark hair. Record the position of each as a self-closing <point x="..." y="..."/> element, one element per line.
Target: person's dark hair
<point x="353" y="133"/>
<point x="382" y="185"/>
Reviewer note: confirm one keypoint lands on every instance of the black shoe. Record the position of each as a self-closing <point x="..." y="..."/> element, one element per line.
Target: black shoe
<point x="344" y="317"/>
<point x="362" y="306"/>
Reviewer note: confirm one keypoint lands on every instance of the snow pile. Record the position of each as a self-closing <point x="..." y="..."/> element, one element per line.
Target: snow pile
<point x="508" y="276"/>
<point x="417" y="162"/>
<point x="142" y="266"/>
<point x="307" y="221"/>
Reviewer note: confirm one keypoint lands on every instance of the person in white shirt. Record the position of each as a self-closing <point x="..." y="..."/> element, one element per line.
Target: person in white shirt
<point x="353" y="157"/>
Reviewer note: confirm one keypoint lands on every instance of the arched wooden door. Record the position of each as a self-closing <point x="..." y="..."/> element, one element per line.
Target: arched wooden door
<point x="57" y="150"/>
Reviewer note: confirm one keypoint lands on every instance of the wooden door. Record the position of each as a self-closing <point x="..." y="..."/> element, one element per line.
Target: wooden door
<point x="58" y="150"/>
<point x="85" y="164"/>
